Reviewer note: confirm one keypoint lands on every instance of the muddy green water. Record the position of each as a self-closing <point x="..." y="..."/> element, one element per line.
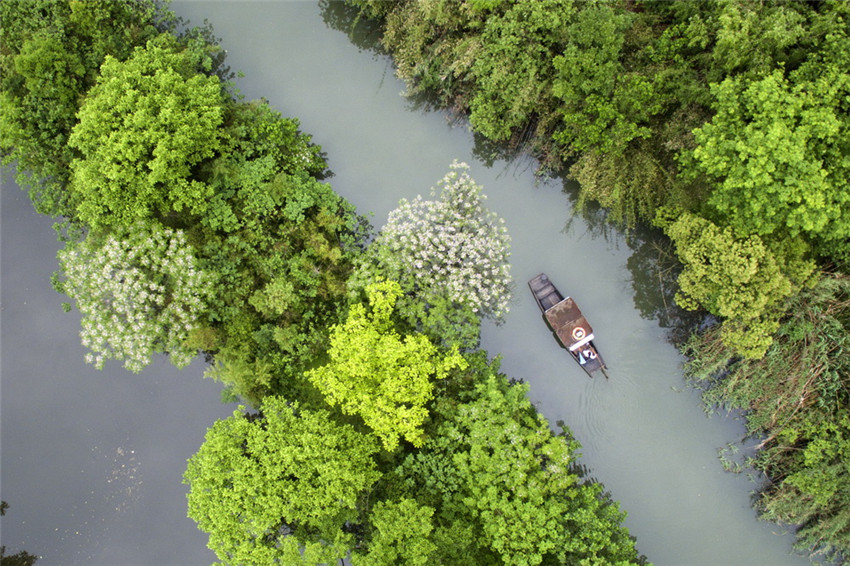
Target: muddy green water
<point x="68" y="431"/>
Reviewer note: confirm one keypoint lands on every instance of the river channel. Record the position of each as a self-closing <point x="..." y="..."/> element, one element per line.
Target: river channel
<point x="92" y="460"/>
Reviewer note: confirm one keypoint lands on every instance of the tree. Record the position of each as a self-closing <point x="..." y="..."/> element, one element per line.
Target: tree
<point x="447" y="254"/>
<point x="51" y="55"/>
<point x="604" y="107"/>
<point x="142" y="128"/>
<point x="378" y="375"/>
<point x="513" y="69"/>
<point x="503" y="487"/>
<point x="400" y="535"/>
<point x="280" y="245"/>
<point x="773" y="151"/>
<point x="739" y="279"/>
<point x="795" y="398"/>
<point x="267" y="487"/>
<point x="140" y="291"/>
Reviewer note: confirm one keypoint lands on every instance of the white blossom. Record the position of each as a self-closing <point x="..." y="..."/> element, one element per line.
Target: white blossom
<point x="452" y="245"/>
<point x="120" y="286"/>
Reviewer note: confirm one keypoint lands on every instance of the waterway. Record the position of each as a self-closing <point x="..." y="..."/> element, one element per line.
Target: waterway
<point x="92" y="460"/>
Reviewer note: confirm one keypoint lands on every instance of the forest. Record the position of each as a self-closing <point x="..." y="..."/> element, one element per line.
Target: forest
<point x="372" y="427"/>
<point x="724" y="124"/>
<point x="197" y="222"/>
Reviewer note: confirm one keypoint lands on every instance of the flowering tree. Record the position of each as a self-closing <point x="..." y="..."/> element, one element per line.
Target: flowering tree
<point x="450" y="252"/>
<point x="138" y="294"/>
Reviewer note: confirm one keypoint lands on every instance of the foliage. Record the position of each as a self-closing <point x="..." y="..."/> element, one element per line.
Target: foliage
<point x="281" y="253"/>
<point x="265" y="486"/>
<point x="603" y="106"/>
<point x="142" y="128"/>
<point x="140" y="292"/>
<point x="401" y="535"/>
<point x="503" y="488"/>
<point x="449" y="254"/>
<point x="736" y="278"/>
<point x="435" y="45"/>
<point x="796" y="398"/>
<point x="631" y="186"/>
<point x="513" y="69"/>
<point x="20" y="558"/>
<point x="773" y="149"/>
<point x="375" y="373"/>
<point x="50" y="55"/>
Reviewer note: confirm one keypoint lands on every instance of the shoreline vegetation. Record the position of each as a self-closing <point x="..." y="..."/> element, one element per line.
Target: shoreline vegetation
<point x="724" y="124"/>
<point x="194" y="221"/>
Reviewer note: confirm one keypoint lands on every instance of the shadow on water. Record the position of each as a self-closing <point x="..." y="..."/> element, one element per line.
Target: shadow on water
<point x="654" y="272"/>
<point x="364" y="33"/>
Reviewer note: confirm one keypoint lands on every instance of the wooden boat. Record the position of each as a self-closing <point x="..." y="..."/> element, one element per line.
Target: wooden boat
<point x="569" y="325"/>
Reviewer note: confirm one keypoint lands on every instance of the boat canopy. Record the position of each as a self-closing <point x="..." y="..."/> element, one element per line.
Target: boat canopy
<point x="569" y="324"/>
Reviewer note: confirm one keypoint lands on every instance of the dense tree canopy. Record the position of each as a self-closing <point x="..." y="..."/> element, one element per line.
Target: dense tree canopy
<point x="772" y="147"/>
<point x="281" y="248"/>
<point x="401" y="534"/>
<point x="512" y="70"/>
<point x="604" y="107"/>
<point x="264" y="486"/>
<point x="142" y="128"/>
<point x="378" y="375"/>
<point x="736" y="278"/>
<point x="504" y="489"/>
<point x="50" y="55"/>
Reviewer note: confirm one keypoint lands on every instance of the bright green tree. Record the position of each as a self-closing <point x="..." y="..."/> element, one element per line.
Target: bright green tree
<point x="267" y="487"/>
<point x="401" y="534"/>
<point x="142" y="128"/>
<point x="774" y="152"/>
<point x="50" y="55"/>
<point x="377" y="374"/>
<point x="737" y="278"/>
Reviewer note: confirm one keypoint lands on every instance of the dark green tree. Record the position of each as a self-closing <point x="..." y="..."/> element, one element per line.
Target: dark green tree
<point x="603" y="106"/>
